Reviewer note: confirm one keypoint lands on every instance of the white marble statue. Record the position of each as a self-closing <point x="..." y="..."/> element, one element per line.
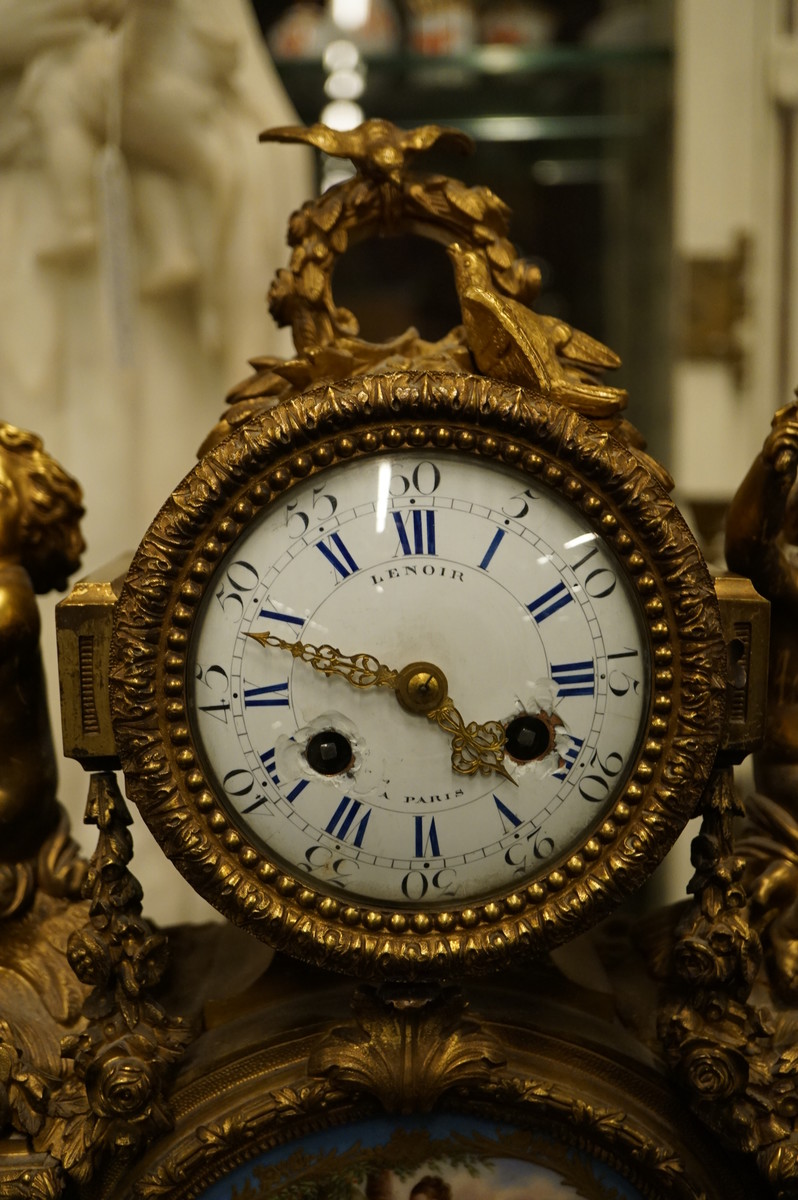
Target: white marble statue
<point x="140" y="225"/>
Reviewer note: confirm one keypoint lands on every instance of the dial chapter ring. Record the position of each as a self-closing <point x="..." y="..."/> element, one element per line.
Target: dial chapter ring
<point x="546" y="443"/>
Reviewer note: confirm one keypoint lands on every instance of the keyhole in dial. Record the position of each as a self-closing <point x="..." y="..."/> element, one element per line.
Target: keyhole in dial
<point x="529" y="736"/>
<point x="329" y="752"/>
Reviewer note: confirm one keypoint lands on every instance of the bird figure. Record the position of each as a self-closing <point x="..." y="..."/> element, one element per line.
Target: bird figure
<point x="377" y="148"/>
<point x="512" y="342"/>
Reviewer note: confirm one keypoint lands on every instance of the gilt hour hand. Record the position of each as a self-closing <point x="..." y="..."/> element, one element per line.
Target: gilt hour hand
<point x="420" y="688"/>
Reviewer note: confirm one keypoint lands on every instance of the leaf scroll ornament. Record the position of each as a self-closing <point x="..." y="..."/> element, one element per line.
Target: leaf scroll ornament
<point x="407" y="1057"/>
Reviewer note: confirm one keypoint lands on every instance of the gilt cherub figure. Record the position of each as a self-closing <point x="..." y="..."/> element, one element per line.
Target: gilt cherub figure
<point x="40" y="546"/>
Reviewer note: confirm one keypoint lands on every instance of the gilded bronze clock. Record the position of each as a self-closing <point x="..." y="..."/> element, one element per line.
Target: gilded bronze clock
<point x="414" y="671"/>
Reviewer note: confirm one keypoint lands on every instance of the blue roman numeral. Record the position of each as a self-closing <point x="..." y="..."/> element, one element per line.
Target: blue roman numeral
<point x="575" y="678"/>
<point x="344" y="818"/>
<point x="345" y="565"/>
<point x="550" y="602"/>
<point x="570" y="756"/>
<point x="492" y="548"/>
<point x="421" y="525"/>
<point x="508" y="818"/>
<point x="273" y="695"/>
<point x="272" y="615"/>
<point x="427" y="844"/>
<point x="267" y="758"/>
<point x="299" y="787"/>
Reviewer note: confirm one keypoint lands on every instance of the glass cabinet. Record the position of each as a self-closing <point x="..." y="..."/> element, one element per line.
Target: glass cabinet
<point x="576" y="138"/>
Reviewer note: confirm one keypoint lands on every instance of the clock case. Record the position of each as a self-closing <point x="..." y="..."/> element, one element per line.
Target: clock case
<point x="173" y="1078"/>
<point x="532" y="397"/>
<point x="549" y="445"/>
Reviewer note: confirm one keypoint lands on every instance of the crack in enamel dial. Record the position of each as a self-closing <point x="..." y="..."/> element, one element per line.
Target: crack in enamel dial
<point x="556" y="636"/>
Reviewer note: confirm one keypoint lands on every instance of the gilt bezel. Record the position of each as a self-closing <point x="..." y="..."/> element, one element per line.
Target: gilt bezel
<point x="346" y="421"/>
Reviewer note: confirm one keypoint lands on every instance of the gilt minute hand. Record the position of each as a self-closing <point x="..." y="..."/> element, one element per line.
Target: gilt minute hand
<point x="361" y="670"/>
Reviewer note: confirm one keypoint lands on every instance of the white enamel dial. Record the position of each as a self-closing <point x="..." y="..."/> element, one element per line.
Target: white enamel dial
<point x="449" y="561"/>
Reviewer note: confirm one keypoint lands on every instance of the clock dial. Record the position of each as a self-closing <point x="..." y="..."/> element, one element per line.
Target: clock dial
<point x="413" y="672"/>
<point x="498" y="590"/>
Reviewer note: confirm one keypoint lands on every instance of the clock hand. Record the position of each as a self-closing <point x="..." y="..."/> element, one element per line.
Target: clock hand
<point x="420" y="688"/>
<point x="474" y="747"/>
<point x="361" y="670"/>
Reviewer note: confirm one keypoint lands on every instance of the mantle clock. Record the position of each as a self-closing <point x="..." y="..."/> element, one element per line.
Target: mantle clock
<point x="416" y="677"/>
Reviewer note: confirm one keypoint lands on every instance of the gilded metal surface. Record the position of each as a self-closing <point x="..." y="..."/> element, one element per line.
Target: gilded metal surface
<point x="407" y="1056"/>
<point x="40" y="545"/>
<point x="532" y="1069"/>
<point x="510" y="341"/>
<point x="745" y="616"/>
<point x="113" y="1100"/>
<point x="729" y="1042"/>
<point x="83" y="637"/>
<point x="461" y="414"/>
<point x="377" y="148"/>
<point x="761" y="536"/>
<point x="40" y="999"/>
<point x="25" y="1175"/>
<point x="501" y="335"/>
<point x="94" y="1112"/>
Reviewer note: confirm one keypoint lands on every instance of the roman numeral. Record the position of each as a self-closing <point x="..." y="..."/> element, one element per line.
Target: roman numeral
<point x="420" y="524"/>
<point x="427" y="844"/>
<point x="570" y="756"/>
<point x="272" y="615"/>
<point x="508" y="818"/>
<point x="267" y="758"/>
<point x="299" y="787"/>
<point x="550" y="602"/>
<point x="273" y="695"/>
<point x="346" y="819"/>
<point x="345" y="565"/>
<point x="492" y="548"/>
<point x="575" y="678"/>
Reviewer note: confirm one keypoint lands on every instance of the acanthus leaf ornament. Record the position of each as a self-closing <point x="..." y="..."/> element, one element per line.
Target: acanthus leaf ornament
<point x="408" y="1055"/>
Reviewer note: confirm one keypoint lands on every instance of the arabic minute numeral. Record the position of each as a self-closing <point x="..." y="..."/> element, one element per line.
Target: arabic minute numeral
<point x="599" y="582"/>
<point x="536" y="841"/>
<point x="517" y="506"/>
<point x="424" y="479"/>
<point x="321" y="508"/>
<point x="217" y="682"/>
<point x="621" y="682"/>
<point x="416" y="883"/>
<point x="336" y="870"/>
<point x="595" y="787"/>
<point x="240" y="578"/>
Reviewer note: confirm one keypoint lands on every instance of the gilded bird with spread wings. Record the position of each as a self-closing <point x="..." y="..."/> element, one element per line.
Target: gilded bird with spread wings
<point x="377" y="148"/>
<point x="512" y="342"/>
